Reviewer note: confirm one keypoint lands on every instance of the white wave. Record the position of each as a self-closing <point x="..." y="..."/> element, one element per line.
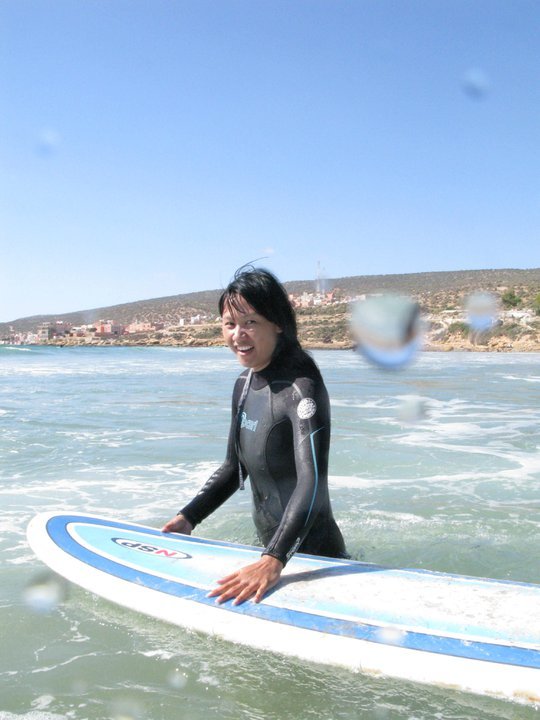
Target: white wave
<point x="521" y="378"/>
<point x="526" y="470"/>
<point x="156" y="436"/>
<point x="32" y="715"/>
<point x="159" y="654"/>
<point x="376" y="516"/>
<point x="121" y="438"/>
<point x="346" y="481"/>
<point x="527" y="466"/>
<point x="365" y="404"/>
<point x="65" y="663"/>
<point x="115" y="365"/>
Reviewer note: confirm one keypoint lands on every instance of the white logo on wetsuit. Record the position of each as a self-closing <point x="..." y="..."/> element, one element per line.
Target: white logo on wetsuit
<point x="306" y="408"/>
<point x="248" y="424"/>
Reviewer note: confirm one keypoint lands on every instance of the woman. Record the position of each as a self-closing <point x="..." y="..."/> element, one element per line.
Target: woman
<point x="279" y="436"/>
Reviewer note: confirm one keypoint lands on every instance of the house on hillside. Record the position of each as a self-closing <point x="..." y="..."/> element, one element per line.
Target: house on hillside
<point x="108" y="329"/>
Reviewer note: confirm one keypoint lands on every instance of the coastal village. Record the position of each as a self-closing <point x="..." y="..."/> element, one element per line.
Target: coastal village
<point x="323" y="307"/>
<point x="107" y="331"/>
<point x="517" y="330"/>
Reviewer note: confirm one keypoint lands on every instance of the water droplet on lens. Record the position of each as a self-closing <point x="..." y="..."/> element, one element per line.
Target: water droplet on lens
<point x="177" y="679"/>
<point x="49" y="141"/>
<point x="79" y="686"/>
<point x="387" y="329"/>
<point x="45" y="593"/>
<point x="482" y="311"/>
<point x="391" y="636"/>
<point x="127" y="709"/>
<point x="412" y="409"/>
<point x="43" y="702"/>
<point x="475" y="84"/>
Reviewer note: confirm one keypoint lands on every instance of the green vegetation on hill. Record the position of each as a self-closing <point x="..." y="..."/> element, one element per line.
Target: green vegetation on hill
<point x="440" y="294"/>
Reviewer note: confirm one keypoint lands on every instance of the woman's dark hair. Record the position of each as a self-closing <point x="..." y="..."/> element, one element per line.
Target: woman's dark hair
<point x="267" y="296"/>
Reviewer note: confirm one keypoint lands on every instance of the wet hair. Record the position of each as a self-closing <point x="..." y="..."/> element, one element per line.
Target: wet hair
<point x="267" y="296"/>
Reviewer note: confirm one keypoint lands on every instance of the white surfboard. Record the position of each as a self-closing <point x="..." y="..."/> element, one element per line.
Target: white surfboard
<point x="474" y="634"/>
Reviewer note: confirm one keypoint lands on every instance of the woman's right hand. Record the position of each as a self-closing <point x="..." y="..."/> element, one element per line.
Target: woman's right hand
<point x="178" y="524"/>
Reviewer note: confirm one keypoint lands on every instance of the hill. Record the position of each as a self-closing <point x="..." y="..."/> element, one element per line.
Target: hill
<point x="440" y="295"/>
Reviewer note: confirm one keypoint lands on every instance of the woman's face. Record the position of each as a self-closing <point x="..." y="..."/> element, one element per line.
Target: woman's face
<point x="250" y="336"/>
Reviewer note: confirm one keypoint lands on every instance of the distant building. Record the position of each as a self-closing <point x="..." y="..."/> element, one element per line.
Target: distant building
<point x="61" y="328"/>
<point x="139" y="327"/>
<point x="107" y="329"/>
<point x="45" y="332"/>
<point x="79" y="331"/>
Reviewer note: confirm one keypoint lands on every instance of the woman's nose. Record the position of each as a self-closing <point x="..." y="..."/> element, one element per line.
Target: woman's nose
<point x="237" y="332"/>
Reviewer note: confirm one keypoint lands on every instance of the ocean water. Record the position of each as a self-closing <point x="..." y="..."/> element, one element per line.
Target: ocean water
<point x="436" y="466"/>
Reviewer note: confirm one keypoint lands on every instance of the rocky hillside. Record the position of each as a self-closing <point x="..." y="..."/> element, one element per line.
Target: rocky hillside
<point x="441" y="296"/>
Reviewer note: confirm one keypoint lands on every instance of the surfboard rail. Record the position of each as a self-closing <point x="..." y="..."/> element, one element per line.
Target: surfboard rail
<point x="473" y="634"/>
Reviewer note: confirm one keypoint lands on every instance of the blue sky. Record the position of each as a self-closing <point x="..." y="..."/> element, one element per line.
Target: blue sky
<point x="150" y="147"/>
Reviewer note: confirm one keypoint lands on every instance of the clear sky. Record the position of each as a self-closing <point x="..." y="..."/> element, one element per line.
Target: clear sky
<point x="150" y="147"/>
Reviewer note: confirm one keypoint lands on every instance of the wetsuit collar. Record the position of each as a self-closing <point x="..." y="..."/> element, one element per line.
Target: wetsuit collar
<point x="265" y="376"/>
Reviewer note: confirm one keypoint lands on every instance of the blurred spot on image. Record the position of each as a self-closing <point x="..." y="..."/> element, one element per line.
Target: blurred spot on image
<point x="482" y="313"/>
<point x="45" y="592"/>
<point x="412" y="409"/>
<point x="48" y="142"/>
<point x="475" y="83"/>
<point x="387" y="329"/>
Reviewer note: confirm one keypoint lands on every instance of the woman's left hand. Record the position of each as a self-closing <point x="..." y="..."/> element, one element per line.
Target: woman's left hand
<point x="251" y="581"/>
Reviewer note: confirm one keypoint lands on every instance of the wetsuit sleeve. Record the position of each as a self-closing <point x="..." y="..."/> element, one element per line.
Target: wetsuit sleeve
<point x="223" y="482"/>
<point x="309" y="413"/>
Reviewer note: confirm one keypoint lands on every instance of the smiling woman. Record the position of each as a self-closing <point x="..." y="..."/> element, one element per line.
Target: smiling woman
<point x="279" y="437"/>
<point x="259" y="292"/>
<point x="249" y="335"/>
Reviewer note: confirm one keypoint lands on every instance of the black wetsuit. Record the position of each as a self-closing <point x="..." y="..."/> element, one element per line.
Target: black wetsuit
<point x="280" y="432"/>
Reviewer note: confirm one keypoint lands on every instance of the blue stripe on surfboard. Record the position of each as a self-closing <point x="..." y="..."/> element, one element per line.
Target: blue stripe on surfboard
<point x="317" y="561"/>
<point x="163" y="558"/>
<point x="470" y="649"/>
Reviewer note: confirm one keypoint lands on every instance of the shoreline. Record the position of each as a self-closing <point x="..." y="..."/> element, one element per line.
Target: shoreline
<point x="494" y="344"/>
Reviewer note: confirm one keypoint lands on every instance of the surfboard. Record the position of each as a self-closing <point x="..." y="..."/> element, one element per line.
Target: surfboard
<point x="474" y="634"/>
